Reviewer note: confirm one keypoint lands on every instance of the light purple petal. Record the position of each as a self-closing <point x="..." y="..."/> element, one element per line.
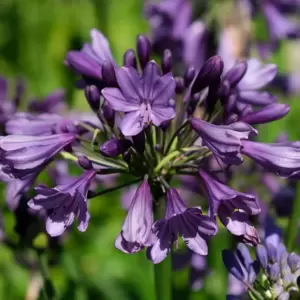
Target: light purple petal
<point x="197" y="244"/>
<point x="116" y="100"/>
<point x="131" y="124"/>
<point x="150" y="79"/>
<point x="256" y="98"/>
<point x="161" y="114"/>
<point x="130" y="84"/>
<point x="100" y="46"/>
<point x="257" y="75"/>
<point x="163" y="90"/>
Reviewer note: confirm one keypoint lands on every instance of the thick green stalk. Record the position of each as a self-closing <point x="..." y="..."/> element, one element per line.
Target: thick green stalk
<point x="163" y="270"/>
<point x="293" y="221"/>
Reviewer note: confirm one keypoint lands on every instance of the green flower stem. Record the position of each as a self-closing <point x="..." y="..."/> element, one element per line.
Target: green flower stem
<point x="166" y="159"/>
<point x="48" y="288"/>
<point x="163" y="270"/>
<point x="184" y="124"/>
<point x="94" y="195"/>
<point x="293" y="221"/>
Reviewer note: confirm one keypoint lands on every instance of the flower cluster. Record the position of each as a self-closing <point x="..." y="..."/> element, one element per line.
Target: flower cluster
<point x="280" y="270"/>
<point x="156" y="124"/>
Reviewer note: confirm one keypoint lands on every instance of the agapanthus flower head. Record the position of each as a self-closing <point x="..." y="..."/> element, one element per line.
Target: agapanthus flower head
<point x="63" y="203"/>
<point x="136" y="230"/>
<point x="189" y="223"/>
<point x="144" y="99"/>
<point x="232" y="207"/>
<point x="22" y="155"/>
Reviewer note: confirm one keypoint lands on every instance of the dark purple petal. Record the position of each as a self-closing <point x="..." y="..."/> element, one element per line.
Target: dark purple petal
<point x="63" y="203"/>
<point x="236" y="73"/>
<point x="220" y="194"/>
<point x="280" y="158"/>
<point x="224" y="140"/>
<point x="151" y="78"/>
<point x="233" y="265"/>
<point x="266" y="114"/>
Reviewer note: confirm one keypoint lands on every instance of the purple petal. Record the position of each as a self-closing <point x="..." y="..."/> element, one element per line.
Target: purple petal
<point x="100" y="46"/>
<point x="257" y="76"/>
<point x="150" y="79"/>
<point x="130" y="84"/>
<point x="163" y="90"/>
<point x="116" y="100"/>
<point x="281" y="158"/>
<point x="267" y="114"/>
<point x="131" y="124"/>
<point x="256" y="98"/>
<point x="161" y="114"/>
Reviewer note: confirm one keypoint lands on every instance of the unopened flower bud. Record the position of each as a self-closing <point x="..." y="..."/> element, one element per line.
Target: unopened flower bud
<point x="114" y="147"/>
<point x="93" y="97"/>
<point x="108" y="73"/>
<point x="167" y="61"/>
<point x="143" y="50"/>
<point x="129" y="59"/>
<point x="85" y="163"/>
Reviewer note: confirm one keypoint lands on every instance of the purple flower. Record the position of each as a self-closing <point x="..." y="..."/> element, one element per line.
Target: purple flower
<point x="232" y="207"/>
<point x="168" y="27"/>
<point x="256" y="77"/>
<point x="63" y="203"/>
<point x="24" y="155"/>
<point x="279" y="26"/>
<point x="240" y="264"/>
<point x="225" y="141"/>
<point x="37" y="125"/>
<point x="280" y="158"/>
<point x="144" y="99"/>
<point x="189" y="223"/>
<point x="136" y="229"/>
<point x="89" y="60"/>
<point x="53" y="103"/>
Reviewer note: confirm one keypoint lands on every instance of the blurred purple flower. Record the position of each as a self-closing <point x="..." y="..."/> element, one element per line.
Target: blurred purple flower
<point x="224" y="140"/>
<point x="136" y="230"/>
<point x="280" y="27"/>
<point x="22" y="155"/>
<point x="232" y="207"/>
<point x="127" y="196"/>
<point x="189" y="223"/>
<point x="37" y="125"/>
<point x="280" y="158"/>
<point x="63" y="203"/>
<point x="89" y="60"/>
<point x="53" y="103"/>
<point x="145" y="99"/>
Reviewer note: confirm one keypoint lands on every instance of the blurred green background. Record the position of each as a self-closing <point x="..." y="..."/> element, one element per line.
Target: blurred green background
<point x="34" y="38"/>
